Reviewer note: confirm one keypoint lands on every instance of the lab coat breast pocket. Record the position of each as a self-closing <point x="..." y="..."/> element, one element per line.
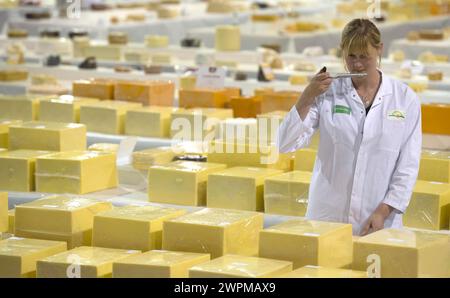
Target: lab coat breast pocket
<point x="391" y="135"/>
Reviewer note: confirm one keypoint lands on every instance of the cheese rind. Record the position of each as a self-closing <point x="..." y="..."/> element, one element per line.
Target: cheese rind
<point x="96" y="88"/>
<point x="202" y="98"/>
<point x="435" y="166"/>
<point x="160" y="93"/>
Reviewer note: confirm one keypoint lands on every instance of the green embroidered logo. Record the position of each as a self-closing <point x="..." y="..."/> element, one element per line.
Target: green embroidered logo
<point x="396" y="115"/>
<point x="338" y="109"/>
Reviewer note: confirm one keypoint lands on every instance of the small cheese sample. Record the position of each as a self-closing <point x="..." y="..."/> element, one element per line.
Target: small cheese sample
<point x="168" y="11"/>
<point x="279" y="100"/>
<point x="11" y="220"/>
<point x="268" y="124"/>
<point x="202" y="98"/>
<point x="435" y="76"/>
<point x="157" y="41"/>
<point x="435" y="166"/>
<point x="20" y="107"/>
<point x="142" y="160"/>
<point x="18" y="256"/>
<point x="119" y="38"/>
<point x="4" y="221"/>
<point x="230" y="266"/>
<point x="404" y="253"/>
<point x="227" y="38"/>
<point x="51" y="136"/>
<point x="17" y="169"/>
<point x="96" y="88"/>
<point x="158" y="264"/>
<point x="77" y="172"/>
<point x="435" y="118"/>
<point x="214" y="231"/>
<point x="106" y="116"/>
<point x="104" y="147"/>
<point x="13" y="75"/>
<point x="180" y="182"/>
<point x="429" y="207"/>
<point x="246" y="106"/>
<point x="93" y="262"/>
<point x="152" y="121"/>
<point x="159" y="93"/>
<point x="305" y="159"/>
<point x="65" y="108"/>
<point x="244" y="185"/>
<point x="287" y="194"/>
<point x="113" y="228"/>
<point x="4" y="131"/>
<point x="103" y="52"/>
<point x="324" y="272"/>
<point x="59" y="218"/>
<point x="306" y="242"/>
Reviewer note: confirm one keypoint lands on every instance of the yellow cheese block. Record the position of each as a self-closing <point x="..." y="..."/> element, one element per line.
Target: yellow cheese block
<point x="435" y="166"/>
<point x="132" y="227"/>
<point x="18" y="256"/>
<point x="136" y="55"/>
<point x="77" y="172"/>
<point x="240" y="266"/>
<point x="65" y="108"/>
<point x="152" y="121"/>
<point x="323" y="272"/>
<point x="161" y="59"/>
<point x="81" y="262"/>
<point x="279" y="100"/>
<point x="188" y="82"/>
<point x="202" y="98"/>
<point x="214" y="231"/>
<point x="4" y="221"/>
<point x="157" y="41"/>
<point x="246" y="106"/>
<point x="48" y="89"/>
<point x="20" y="107"/>
<point x="79" y="43"/>
<point x="106" y="116"/>
<point x="244" y="185"/>
<point x="305" y="159"/>
<point x="402" y="253"/>
<point x="142" y="160"/>
<point x="240" y="129"/>
<point x="268" y="124"/>
<point x="287" y="194"/>
<point x="306" y="242"/>
<point x="180" y="182"/>
<point x="158" y="264"/>
<point x="17" y="169"/>
<point x="228" y="38"/>
<point x="160" y="93"/>
<point x="11" y="220"/>
<point x="103" y="52"/>
<point x="95" y="88"/>
<point x="4" y="131"/>
<point x="298" y="79"/>
<point x="429" y="207"/>
<point x="167" y="11"/>
<point x="13" y="75"/>
<point x="51" y="136"/>
<point x="104" y="147"/>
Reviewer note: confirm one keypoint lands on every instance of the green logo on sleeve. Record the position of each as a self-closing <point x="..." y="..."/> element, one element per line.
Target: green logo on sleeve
<point x="338" y="109"/>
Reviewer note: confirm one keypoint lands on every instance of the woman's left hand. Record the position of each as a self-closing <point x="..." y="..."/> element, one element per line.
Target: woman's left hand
<point x="376" y="220"/>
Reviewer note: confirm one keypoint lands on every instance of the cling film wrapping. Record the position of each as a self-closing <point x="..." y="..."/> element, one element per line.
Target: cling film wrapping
<point x="435" y="166"/>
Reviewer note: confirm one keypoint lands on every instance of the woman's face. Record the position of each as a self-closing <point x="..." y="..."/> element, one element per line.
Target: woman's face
<point x="363" y="62"/>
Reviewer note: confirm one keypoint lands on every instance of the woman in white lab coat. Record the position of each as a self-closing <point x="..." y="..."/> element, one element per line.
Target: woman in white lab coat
<point x="370" y="138"/>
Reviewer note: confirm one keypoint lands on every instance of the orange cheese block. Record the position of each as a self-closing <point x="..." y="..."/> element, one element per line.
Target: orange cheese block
<point x="246" y="107"/>
<point x="278" y="101"/>
<point x="96" y="88"/>
<point x="159" y="93"/>
<point x="435" y="118"/>
<point x="203" y="98"/>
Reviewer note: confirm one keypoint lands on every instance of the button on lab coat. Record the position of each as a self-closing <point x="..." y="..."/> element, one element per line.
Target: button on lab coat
<point x="362" y="160"/>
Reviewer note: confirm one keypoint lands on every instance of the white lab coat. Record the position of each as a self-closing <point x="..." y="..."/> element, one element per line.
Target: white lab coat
<point x="362" y="160"/>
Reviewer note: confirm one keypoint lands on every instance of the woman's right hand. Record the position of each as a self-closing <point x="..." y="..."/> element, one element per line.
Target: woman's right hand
<point x="319" y="84"/>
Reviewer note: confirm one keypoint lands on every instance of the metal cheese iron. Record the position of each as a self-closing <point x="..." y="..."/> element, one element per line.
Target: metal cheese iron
<point x="344" y="75"/>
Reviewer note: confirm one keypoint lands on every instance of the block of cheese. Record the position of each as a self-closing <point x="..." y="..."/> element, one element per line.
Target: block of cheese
<point x="180" y="182"/>
<point x="11" y="220"/>
<point x="160" y="93"/>
<point x="96" y="88"/>
<point x="152" y="121"/>
<point x="4" y="221"/>
<point x="246" y="106"/>
<point x="432" y="34"/>
<point x="43" y="79"/>
<point x="435" y="166"/>
<point x="60" y="218"/>
<point x="287" y="194"/>
<point x="136" y="55"/>
<point x="13" y="75"/>
<point x="214" y="231"/>
<point x="18" y="256"/>
<point x="103" y="52"/>
<point x="298" y="79"/>
<point x="268" y="124"/>
<point x="202" y="98"/>
<point x="404" y="253"/>
<point x="119" y="38"/>
<point x="306" y="242"/>
<point x="435" y="75"/>
<point x="305" y="159"/>
<point x="228" y="38"/>
<point x="161" y="59"/>
<point x="106" y="116"/>
<point x="242" y="130"/>
<point x="168" y="11"/>
<point x="435" y="118"/>
<point x="188" y="81"/>
<point x="324" y="272"/>
<point x="77" y="172"/>
<point x="20" y="107"/>
<point x="4" y="131"/>
<point x="79" y="43"/>
<point x="113" y="228"/>
<point x="279" y="100"/>
<point x="233" y="266"/>
<point x="104" y="147"/>
<point x="197" y="124"/>
<point x="51" y="136"/>
<point x="65" y="108"/>
<point x="17" y="169"/>
<point x="93" y="262"/>
<point x="143" y="159"/>
<point x="304" y="26"/>
<point x="48" y="89"/>
<point x="158" y="264"/>
<point x="157" y="41"/>
<point x="245" y="188"/>
<point x="429" y="207"/>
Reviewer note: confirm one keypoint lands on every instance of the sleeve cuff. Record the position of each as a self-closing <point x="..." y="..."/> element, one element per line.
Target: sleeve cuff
<point x="397" y="204"/>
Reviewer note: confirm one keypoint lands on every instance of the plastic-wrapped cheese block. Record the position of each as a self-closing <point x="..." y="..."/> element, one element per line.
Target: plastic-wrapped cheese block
<point x="96" y="88"/>
<point x="142" y="160"/>
<point x="65" y="108"/>
<point x="403" y="253"/>
<point x="168" y="11"/>
<point x="4" y="131"/>
<point x="4" y="222"/>
<point x="11" y="220"/>
<point x="18" y="256"/>
<point x="104" y="147"/>
<point x="103" y="52"/>
<point x="51" y="136"/>
<point x="305" y="242"/>
<point x="132" y="227"/>
<point x="323" y="272"/>
<point x="214" y="231"/>
<point x="160" y="93"/>
<point x="202" y="98"/>
<point x="20" y="107"/>
<point x="152" y="121"/>
<point x="93" y="262"/>
<point x="246" y="106"/>
<point x="119" y="38"/>
<point x="157" y="41"/>
<point x="287" y="194"/>
<point x="244" y="185"/>
<point x="180" y="182"/>
<point x="13" y="75"/>
<point x="77" y="172"/>
<point x="435" y="166"/>
<point x="158" y="264"/>
<point x="305" y="159"/>
<point x="278" y="101"/>
<point x="240" y="266"/>
<point x="429" y="207"/>
<point x="17" y="169"/>
<point x="435" y="118"/>
<point x="228" y="38"/>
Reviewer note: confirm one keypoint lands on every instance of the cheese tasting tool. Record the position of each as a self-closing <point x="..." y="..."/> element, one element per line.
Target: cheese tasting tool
<point x="344" y="75"/>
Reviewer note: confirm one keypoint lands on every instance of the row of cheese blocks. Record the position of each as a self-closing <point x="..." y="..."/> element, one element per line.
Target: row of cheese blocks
<point x="217" y="232"/>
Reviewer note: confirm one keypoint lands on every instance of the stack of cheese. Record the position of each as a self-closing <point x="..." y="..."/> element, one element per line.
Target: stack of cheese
<point x="151" y="121"/>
